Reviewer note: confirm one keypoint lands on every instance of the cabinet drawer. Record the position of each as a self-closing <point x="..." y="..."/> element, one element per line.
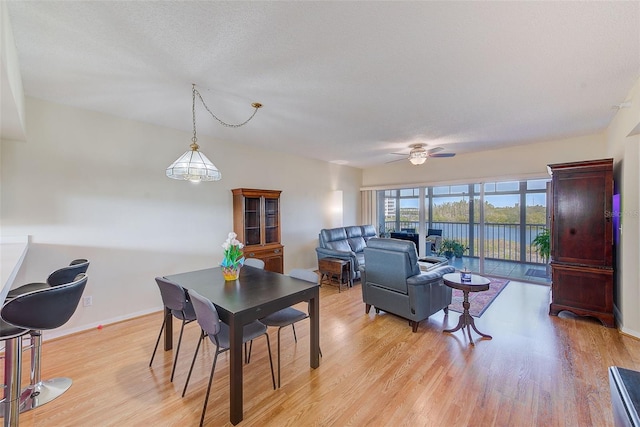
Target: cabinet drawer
<point x="273" y="257"/>
<point x="258" y="253"/>
<point x="588" y="289"/>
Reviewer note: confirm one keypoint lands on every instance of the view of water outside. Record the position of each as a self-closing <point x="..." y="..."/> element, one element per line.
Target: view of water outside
<point x="514" y="214"/>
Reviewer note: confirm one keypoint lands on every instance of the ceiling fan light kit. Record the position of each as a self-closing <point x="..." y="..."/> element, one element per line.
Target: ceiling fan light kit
<point x="193" y="165"/>
<point x="419" y="154"/>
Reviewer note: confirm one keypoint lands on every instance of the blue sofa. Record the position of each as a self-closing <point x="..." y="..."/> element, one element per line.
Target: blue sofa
<point x="346" y="243"/>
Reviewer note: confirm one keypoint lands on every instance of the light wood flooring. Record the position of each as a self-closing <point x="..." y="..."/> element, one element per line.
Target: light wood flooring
<point x="538" y="370"/>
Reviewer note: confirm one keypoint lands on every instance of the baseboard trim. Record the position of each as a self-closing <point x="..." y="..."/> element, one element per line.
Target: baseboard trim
<point x="53" y="334"/>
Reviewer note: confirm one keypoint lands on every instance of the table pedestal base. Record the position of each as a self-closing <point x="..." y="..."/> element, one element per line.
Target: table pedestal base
<point x="466" y="320"/>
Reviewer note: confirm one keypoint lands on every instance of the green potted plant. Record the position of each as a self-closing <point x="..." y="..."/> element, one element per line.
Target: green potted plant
<point x="542" y="244"/>
<point x="459" y="250"/>
<point x="451" y="247"/>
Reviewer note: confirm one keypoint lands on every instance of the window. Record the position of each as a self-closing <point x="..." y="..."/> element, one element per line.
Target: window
<point x="400" y="210"/>
<point x="514" y="214"/>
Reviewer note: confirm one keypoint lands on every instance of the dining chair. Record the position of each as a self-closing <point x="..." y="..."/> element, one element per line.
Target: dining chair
<point x="176" y="299"/>
<point x="59" y="277"/>
<point x="290" y="315"/>
<point x="218" y="333"/>
<point x="45" y="309"/>
<point x="254" y="262"/>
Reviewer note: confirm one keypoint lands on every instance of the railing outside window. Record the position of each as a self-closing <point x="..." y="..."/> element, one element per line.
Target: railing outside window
<point x="502" y="241"/>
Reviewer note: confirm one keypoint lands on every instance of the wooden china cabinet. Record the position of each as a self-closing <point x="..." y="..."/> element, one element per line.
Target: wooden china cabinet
<point x="582" y="239"/>
<point x="256" y="221"/>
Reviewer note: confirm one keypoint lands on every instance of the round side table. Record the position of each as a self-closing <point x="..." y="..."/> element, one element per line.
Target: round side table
<point x="477" y="284"/>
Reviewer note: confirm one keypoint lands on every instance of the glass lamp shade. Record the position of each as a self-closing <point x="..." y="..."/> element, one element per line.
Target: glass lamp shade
<point x="417" y="160"/>
<point x="194" y="166"/>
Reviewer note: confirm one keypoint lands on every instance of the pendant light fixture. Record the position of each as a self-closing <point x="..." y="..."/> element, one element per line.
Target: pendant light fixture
<point x="194" y="165"/>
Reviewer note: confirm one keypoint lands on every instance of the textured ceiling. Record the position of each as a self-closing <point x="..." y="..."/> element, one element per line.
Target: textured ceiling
<point x="340" y="81"/>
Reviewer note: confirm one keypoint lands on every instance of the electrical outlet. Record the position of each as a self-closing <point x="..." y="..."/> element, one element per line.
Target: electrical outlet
<point x="87" y="301"/>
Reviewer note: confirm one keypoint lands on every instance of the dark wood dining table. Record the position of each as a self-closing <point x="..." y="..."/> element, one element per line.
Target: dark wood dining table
<point x="255" y="294"/>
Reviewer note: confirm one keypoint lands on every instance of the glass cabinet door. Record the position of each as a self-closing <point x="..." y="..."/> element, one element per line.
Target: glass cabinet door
<point x="271" y="225"/>
<point x="252" y="221"/>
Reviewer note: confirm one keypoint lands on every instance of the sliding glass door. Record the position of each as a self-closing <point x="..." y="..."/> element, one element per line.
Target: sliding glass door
<point x="492" y="223"/>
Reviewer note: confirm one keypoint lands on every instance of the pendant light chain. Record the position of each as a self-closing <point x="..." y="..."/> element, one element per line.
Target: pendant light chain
<point x="194" y="165"/>
<point x="255" y="105"/>
<point x="193" y="111"/>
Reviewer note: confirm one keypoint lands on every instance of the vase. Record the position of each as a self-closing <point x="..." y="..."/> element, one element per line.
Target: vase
<point x="230" y="273"/>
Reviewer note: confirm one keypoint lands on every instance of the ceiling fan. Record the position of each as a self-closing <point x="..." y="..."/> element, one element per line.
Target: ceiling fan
<point x="419" y="154"/>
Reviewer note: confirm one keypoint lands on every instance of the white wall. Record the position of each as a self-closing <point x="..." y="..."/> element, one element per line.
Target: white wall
<point x="523" y="161"/>
<point x="12" y="116"/>
<point x="89" y="185"/>
<point x="626" y="153"/>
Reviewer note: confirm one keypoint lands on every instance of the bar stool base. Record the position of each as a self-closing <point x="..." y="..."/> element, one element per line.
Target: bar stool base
<point x="43" y="392"/>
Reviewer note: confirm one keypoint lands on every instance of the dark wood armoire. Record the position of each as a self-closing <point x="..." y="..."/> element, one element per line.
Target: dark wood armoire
<point x="582" y="239"/>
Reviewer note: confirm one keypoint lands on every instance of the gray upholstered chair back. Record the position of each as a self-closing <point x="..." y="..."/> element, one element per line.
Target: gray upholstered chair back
<point x="174" y="297"/>
<point x="206" y="314"/>
<point x="254" y="262"/>
<point x="302" y="274"/>
<point x="390" y="262"/>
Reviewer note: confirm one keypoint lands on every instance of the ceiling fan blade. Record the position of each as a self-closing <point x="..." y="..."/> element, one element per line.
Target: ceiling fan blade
<point x="443" y="155"/>
<point x="398" y="160"/>
<point x="434" y="150"/>
<point x="400" y="154"/>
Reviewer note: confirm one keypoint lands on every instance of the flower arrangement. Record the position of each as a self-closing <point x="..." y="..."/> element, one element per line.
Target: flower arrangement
<point x="233" y="257"/>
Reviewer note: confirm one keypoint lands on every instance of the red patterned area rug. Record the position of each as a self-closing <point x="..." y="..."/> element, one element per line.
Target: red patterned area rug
<point x="479" y="300"/>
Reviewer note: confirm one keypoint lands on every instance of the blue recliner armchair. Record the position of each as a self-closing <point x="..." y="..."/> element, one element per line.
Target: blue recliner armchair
<point x="392" y="282"/>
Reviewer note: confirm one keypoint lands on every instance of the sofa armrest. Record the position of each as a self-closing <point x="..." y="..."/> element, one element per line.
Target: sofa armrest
<point x="427" y="277"/>
<point x="332" y="253"/>
<point x="429" y="295"/>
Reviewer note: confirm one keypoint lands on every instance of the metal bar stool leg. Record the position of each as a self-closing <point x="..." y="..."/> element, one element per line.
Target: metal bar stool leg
<point x="36" y="355"/>
<point x="40" y="392"/>
<point x="12" y="371"/>
<point x="34" y="372"/>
